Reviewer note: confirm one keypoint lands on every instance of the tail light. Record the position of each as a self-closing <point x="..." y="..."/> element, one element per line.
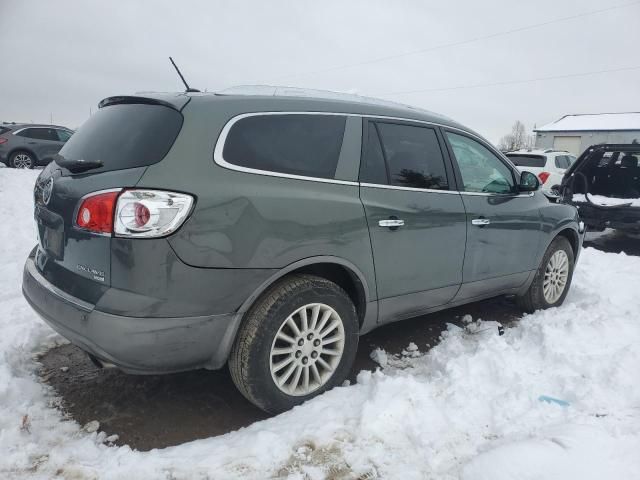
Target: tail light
<point x="134" y="213"/>
<point x="543" y="176"/>
<point x="150" y="213"/>
<point x="96" y="212"/>
<point x="3" y="140"/>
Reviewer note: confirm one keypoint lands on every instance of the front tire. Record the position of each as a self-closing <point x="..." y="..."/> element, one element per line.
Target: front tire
<point x="553" y="278"/>
<point x="22" y="159"/>
<point x="298" y="341"/>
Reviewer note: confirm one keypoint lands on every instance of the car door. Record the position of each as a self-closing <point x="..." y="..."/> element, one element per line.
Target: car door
<point x="42" y="141"/>
<point x="416" y="218"/>
<point x="504" y="226"/>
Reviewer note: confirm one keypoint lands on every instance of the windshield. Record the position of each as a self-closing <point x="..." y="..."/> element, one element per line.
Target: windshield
<point x="124" y="136"/>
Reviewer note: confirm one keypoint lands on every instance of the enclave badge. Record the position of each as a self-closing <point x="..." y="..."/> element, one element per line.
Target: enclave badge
<point x="46" y="191"/>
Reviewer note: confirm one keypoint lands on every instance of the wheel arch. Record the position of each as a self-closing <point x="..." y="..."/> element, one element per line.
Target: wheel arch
<point x="336" y="269"/>
<point x="573" y="237"/>
<point x="22" y="149"/>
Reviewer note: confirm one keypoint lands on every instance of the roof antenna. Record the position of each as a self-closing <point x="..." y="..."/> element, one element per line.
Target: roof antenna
<point x="189" y="89"/>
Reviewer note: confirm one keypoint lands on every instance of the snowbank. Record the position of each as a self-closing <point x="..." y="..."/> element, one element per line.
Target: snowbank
<point x="606" y="201"/>
<point x="467" y="408"/>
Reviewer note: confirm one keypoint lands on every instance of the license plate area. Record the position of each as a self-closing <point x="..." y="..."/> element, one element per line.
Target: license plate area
<point x="50" y="233"/>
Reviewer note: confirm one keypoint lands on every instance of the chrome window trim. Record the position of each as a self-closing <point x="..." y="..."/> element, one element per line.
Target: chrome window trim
<point x="222" y="138"/>
<point x="409" y="189"/>
<point x="15" y="132"/>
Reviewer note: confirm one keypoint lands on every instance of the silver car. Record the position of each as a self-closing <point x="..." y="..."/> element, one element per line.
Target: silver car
<point x="30" y="145"/>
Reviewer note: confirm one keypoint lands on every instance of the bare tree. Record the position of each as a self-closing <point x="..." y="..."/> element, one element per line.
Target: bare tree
<point x="517" y="139"/>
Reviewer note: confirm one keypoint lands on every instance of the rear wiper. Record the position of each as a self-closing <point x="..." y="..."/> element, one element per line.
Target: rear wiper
<point x="77" y="166"/>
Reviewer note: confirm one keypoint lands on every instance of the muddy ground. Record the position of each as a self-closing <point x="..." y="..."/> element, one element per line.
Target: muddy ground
<point x="161" y="410"/>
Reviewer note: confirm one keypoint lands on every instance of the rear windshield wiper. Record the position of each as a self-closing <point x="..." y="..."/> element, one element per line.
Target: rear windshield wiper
<point x="77" y="166"/>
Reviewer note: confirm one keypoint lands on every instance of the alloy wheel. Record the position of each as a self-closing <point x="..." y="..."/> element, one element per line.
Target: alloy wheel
<point x="307" y="349"/>
<point x="555" y="276"/>
<point x="22" y="160"/>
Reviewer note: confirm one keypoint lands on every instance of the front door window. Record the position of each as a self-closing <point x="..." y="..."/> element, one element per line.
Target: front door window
<point x="481" y="170"/>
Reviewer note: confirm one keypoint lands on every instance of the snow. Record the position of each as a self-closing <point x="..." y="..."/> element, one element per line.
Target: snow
<point x="467" y="408"/>
<point x="606" y="201"/>
<point x="597" y="121"/>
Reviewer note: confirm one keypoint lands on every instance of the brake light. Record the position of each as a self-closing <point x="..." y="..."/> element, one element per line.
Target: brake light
<point x="150" y="213"/>
<point x="543" y="176"/>
<point x="3" y="140"/>
<point x="134" y="213"/>
<point x="96" y="212"/>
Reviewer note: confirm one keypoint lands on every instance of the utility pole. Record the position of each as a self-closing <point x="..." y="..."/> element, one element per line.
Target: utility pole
<point x="51" y="117"/>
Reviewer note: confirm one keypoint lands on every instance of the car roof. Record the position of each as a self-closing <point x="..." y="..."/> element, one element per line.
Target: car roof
<point x="256" y="98"/>
<point x="17" y="126"/>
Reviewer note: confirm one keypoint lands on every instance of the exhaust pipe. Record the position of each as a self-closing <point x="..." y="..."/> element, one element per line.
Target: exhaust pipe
<point x="99" y="363"/>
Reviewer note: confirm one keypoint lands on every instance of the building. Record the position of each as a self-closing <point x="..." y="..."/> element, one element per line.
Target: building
<point x="576" y="133"/>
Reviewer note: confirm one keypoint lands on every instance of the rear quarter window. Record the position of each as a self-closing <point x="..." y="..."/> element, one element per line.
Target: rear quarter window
<point x="125" y="136"/>
<point x="294" y="144"/>
<point x="538" y="161"/>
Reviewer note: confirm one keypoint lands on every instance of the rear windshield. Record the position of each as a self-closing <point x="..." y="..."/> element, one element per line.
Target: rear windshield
<point x="125" y="136"/>
<point x="527" y="160"/>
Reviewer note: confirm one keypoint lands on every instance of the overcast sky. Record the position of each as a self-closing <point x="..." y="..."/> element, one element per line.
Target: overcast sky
<point x="62" y="57"/>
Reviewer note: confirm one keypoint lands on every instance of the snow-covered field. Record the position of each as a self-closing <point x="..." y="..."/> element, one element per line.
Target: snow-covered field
<point x="468" y="408"/>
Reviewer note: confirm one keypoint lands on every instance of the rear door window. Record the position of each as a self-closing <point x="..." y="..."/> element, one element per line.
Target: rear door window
<point x="413" y="155"/>
<point x="39" y="134"/>
<point x="372" y="166"/>
<point x="294" y="144"/>
<point x="563" y="161"/>
<point x="125" y="136"/>
<point x="63" y="135"/>
<point x="536" y="161"/>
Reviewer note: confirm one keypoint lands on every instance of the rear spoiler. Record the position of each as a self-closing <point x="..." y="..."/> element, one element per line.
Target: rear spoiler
<point x="178" y="101"/>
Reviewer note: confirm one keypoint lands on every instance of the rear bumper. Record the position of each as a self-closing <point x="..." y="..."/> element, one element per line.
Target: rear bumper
<point x="136" y="345"/>
<point x="619" y="218"/>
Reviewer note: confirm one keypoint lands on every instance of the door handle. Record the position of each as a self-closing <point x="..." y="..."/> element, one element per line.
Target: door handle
<point x="392" y="223"/>
<point x="480" y="222"/>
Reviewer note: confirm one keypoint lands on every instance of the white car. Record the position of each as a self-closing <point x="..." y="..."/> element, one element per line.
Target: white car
<point x="548" y="165"/>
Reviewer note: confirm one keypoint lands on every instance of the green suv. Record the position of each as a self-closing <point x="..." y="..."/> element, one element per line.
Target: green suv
<point x="269" y="229"/>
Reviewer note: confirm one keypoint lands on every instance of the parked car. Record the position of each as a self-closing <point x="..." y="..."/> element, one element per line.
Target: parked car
<point x="604" y="184"/>
<point x="548" y="165"/>
<point x="25" y="145"/>
<point x="269" y="232"/>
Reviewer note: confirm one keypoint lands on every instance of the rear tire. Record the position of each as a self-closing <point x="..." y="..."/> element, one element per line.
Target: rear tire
<point x="553" y="278"/>
<point x="298" y="341"/>
<point x="22" y="159"/>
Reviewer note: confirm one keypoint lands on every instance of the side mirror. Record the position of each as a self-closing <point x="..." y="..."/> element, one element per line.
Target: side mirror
<point x="528" y="182"/>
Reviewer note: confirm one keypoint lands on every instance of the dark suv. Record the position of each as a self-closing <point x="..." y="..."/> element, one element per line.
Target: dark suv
<point x="269" y="232"/>
<point x="29" y="145"/>
<point x="604" y="184"/>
